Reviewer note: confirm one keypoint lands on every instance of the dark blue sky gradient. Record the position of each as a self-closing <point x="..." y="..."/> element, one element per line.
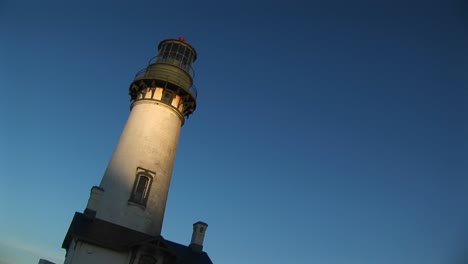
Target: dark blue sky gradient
<point x="331" y="133"/>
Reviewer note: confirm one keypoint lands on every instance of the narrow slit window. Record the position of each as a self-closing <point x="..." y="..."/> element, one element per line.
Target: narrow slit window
<point x="167" y="97"/>
<point x="142" y="186"/>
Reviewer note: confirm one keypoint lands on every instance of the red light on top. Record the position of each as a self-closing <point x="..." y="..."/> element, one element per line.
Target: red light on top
<point x="181" y="38"/>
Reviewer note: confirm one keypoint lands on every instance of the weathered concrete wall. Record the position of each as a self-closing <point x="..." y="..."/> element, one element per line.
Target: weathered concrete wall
<point x="149" y="140"/>
<point x="83" y="253"/>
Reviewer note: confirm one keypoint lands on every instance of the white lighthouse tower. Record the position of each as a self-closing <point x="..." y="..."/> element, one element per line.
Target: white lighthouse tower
<point x="137" y="178"/>
<point x="123" y="218"/>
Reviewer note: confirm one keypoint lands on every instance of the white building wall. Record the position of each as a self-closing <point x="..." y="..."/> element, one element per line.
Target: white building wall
<point x="149" y="140"/>
<point x="70" y="252"/>
<point x="85" y="253"/>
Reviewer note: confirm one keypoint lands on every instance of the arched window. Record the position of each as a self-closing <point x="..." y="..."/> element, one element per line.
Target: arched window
<point x="142" y="186"/>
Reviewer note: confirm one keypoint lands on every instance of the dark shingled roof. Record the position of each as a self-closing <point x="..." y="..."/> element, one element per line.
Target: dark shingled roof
<point x="109" y="235"/>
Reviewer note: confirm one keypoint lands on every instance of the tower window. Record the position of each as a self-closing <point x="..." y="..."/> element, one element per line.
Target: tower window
<point x="167" y="97"/>
<point x="142" y="186"/>
<point x="176" y="54"/>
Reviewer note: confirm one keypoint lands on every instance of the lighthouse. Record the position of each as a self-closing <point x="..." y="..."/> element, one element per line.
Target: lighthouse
<point x="124" y="215"/>
<point x="137" y="179"/>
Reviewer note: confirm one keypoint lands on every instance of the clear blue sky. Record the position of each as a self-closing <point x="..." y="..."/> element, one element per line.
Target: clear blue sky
<point x="331" y="132"/>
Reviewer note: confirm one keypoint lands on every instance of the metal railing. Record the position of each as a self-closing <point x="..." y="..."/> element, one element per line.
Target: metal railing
<point x="193" y="91"/>
<point x="170" y="60"/>
<point x="141" y="74"/>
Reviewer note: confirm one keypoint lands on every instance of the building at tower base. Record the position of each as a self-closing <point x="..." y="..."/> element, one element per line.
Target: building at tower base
<point x="91" y="240"/>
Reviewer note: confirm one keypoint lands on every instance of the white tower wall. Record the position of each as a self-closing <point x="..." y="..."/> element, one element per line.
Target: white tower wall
<point x="148" y="141"/>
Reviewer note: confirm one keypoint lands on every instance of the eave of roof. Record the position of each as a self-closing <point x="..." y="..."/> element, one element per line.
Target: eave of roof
<point x="115" y="237"/>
